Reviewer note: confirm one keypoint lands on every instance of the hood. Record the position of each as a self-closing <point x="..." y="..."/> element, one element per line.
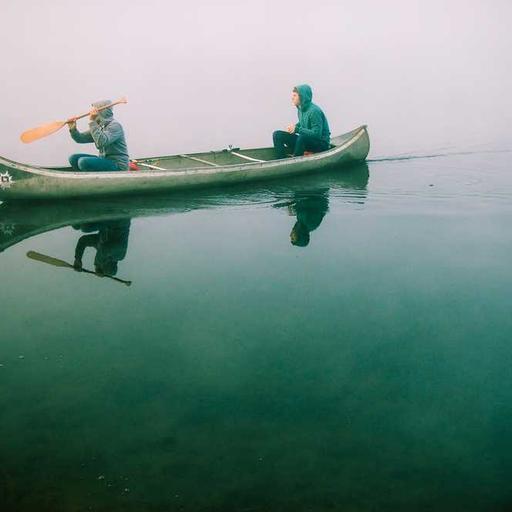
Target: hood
<point x="306" y="95"/>
<point x="301" y="235"/>
<point x="107" y="114"/>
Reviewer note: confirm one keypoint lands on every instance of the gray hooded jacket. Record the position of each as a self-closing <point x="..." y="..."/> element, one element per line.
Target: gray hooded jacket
<point x="108" y="136"/>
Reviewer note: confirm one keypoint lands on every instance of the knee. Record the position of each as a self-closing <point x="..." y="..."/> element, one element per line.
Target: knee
<point x="73" y="160"/>
<point x="82" y="164"/>
<point x="278" y="135"/>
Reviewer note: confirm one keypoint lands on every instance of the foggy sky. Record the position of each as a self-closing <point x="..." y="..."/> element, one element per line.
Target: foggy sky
<point x="201" y="75"/>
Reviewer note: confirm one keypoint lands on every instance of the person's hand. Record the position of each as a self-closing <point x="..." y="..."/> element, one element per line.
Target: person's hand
<point x="72" y="123"/>
<point x="93" y="114"/>
<point x="291" y="128"/>
<point x="77" y="265"/>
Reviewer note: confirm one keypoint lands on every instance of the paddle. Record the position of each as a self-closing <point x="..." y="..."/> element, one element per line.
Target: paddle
<point x="49" y="128"/>
<point x="64" y="264"/>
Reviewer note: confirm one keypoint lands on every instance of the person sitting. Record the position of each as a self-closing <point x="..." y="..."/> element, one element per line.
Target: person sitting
<point x="108" y="136"/>
<point x="311" y="133"/>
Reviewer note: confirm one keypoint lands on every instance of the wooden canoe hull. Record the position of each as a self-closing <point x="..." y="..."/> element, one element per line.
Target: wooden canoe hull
<point x="19" y="181"/>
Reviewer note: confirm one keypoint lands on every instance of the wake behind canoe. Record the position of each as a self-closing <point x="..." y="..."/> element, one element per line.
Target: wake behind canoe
<point x="167" y="173"/>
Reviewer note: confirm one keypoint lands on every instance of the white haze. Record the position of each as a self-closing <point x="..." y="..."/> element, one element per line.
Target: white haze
<point x="199" y="75"/>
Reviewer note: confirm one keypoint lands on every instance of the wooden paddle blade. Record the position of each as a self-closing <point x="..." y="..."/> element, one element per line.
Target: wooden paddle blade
<point x="41" y="131"/>
<point x="48" y="259"/>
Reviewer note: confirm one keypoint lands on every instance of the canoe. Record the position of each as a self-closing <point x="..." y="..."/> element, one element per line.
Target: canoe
<point x="168" y="173"/>
<point x="22" y="220"/>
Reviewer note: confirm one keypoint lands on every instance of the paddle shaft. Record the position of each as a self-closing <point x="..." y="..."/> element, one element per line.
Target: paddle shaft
<point x="127" y="283"/>
<point x="81" y="116"/>
<point x="64" y="264"/>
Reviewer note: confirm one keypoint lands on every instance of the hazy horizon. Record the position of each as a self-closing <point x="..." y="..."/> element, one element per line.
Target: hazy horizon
<point x="201" y="75"/>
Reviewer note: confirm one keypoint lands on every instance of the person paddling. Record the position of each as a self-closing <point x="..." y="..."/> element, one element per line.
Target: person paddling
<point x="311" y="133"/>
<point x="108" y="136"/>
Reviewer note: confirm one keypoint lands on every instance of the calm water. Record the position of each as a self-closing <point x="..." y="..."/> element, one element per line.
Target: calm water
<point x="366" y="368"/>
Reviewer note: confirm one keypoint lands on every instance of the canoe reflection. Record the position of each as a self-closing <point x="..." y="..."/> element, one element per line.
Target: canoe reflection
<point x="105" y="223"/>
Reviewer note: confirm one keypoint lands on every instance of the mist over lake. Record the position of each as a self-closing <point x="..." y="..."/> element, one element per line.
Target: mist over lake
<point x="202" y="75"/>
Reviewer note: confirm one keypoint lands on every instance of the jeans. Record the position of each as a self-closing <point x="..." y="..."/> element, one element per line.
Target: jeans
<point x="84" y="162"/>
<point x="285" y="142"/>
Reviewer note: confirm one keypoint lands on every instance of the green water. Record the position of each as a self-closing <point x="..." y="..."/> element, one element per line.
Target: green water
<point x="368" y="370"/>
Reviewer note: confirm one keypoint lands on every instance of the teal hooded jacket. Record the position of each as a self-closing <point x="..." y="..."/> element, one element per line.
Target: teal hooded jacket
<point x="108" y="136"/>
<point x="312" y="120"/>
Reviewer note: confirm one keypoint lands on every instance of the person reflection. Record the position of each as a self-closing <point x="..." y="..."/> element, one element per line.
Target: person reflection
<point x="310" y="211"/>
<point x="110" y="242"/>
<point x="309" y="208"/>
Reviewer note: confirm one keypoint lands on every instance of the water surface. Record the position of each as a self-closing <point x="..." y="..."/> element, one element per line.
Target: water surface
<point x="366" y="366"/>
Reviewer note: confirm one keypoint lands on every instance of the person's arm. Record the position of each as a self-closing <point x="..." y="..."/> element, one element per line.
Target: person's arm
<point x="81" y="138"/>
<point x="317" y="123"/>
<point x="105" y="135"/>
<point x="84" y="242"/>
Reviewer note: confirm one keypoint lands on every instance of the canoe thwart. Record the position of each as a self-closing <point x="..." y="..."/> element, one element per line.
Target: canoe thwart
<point x="199" y="160"/>
<point x="245" y="157"/>
<point x="149" y="166"/>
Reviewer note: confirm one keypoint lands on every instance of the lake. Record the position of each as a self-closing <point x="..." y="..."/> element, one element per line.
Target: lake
<point x="330" y="342"/>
